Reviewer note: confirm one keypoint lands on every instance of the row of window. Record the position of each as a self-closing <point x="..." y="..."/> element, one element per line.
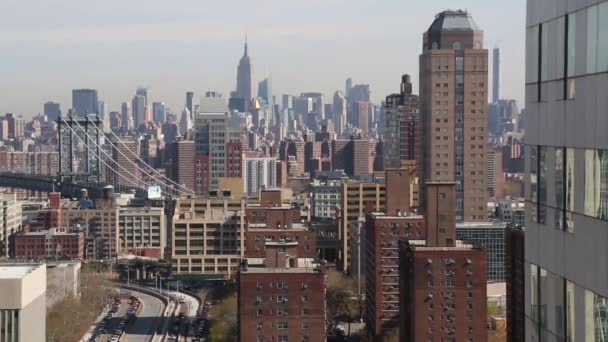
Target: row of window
<point x="563" y="160"/>
<point x="547" y="61"/>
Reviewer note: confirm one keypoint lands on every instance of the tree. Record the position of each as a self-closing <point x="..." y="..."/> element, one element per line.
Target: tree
<point x="224" y="325"/>
<point x="342" y="302"/>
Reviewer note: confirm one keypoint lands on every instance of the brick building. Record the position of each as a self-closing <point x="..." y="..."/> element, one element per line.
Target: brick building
<point x="50" y="244"/>
<point x="442" y="281"/>
<point x="383" y="230"/>
<point x="281" y="297"/>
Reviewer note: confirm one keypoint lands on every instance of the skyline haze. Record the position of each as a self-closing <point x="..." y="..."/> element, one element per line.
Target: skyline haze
<point x="115" y="47"/>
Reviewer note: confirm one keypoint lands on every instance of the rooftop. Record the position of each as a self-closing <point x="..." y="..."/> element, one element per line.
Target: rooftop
<point x="487" y="225"/>
<point x="265" y="270"/>
<point x="420" y="245"/>
<point x="454" y="20"/>
<point x="16" y="271"/>
<point x="408" y="215"/>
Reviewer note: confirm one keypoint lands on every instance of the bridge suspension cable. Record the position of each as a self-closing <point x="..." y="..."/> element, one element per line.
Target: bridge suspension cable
<point x="174" y="186"/>
<point x="128" y="173"/>
<point x="135" y="164"/>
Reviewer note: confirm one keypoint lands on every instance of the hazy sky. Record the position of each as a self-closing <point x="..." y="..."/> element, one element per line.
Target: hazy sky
<point x="48" y="47"/>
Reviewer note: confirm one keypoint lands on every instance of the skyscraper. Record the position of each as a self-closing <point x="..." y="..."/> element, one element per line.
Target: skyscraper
<point x="126" y="120"/>
<point x="453" y="107"/>
<point x="159" y="112"/>
<point x="402" y="134"/>
<point x="348" y="86"/>
<point x="52" y="110"/>
<point x="495" y="75"/>
<point x="190" y="102"/>
<point x="566" y="171"/>
<point x="340" y="111"/>
<point x="139" y="110"/>
<point x="244" y="79"/>
<point x="84" y="101"/>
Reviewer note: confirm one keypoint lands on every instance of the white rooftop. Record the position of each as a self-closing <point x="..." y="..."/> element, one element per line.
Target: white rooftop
<point x="15" y="271"/>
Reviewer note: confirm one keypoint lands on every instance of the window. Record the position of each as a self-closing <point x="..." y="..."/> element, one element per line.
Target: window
<point x="570" y="189"/>
<point x="542" y="184"/>
<point x="592" y="27"/>
<point x="559" y="188"/>
<point x="283" y="339"/>
<point x="304" y="325"/>
<point x="570" y="66"/>
<point x="459" y="81"/>
<point x="282" y="325"/>
<point x="260" y="312"/>
<point x="459" y="63"/>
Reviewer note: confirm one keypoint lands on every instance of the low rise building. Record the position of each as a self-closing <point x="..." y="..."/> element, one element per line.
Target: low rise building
<point x="208" y="236"/>
<point x="52" y="244"/>
<point x="326" y="197"/>
<point x="10" y="221"/>
<point x="23" y="302"/>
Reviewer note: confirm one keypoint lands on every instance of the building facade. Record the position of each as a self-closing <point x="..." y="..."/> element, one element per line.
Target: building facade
<point x="208" y="236"/>
<point x="491" y="237"/>
<point x="402" y="128"/>
<point x="453" y="106"/>
<point x="10" y="221"/>
<point x="23" y="301"/>
<point x="51" y="244"/>
<point x="326" y="198"/>
<point x="259" y="173"/>
<point x="566" y="177"/>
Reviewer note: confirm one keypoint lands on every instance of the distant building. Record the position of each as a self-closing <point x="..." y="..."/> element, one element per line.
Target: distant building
<point x="512" y="210"/>
<point x="495" y="75"/>
<point x="491" y="237"/>
<point x="52" y="244"/>
<point x="190" y="101"/>
<point x="402" y="131"/>
<point x="23" y="302"/>
<point x="360" y="115"/>
<point x="326" y="198"/>
<point x="123" y="152"/>
<point x="126" y="120"/>
<point x="259" y="173"/>
<point x="52" y="110"/>
<point x="142" y="230"/>
<point x="340" y="111"/>
<point x="358" y="198"/>
<point x="244" y="79"/>
<point x="84" y="101"/>
<point x="10" y="222"/>
<point x="138" y="104"/>
<point x="208" y="236"/>
<point x="181" y="163"/>
<point x="159" y="112"/>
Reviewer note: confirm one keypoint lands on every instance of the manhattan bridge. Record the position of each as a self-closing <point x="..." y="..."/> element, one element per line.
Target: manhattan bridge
<point x="93" y="160"/>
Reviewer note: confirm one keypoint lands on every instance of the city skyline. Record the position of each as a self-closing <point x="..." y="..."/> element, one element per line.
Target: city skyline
<point x="172" y="51"/>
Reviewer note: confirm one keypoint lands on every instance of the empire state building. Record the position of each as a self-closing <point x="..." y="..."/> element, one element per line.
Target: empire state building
<point x="244" y="78"/>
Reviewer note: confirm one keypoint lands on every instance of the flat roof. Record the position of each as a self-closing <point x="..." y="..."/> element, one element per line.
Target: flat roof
<point x="494" y="224"/>
<point x="408" y="215"/>
<point x="459" y="246"/>
<point x="265" y="270"/>
<point x="16" y="271"/>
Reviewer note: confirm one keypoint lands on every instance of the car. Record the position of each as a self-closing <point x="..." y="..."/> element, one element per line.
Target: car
<point x="114" y="339"/>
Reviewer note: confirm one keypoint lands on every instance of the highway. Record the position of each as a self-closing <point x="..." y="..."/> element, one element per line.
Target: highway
<point x="147" y="321"/>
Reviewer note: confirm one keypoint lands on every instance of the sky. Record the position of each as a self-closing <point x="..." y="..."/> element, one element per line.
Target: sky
<point x="49" y="47"/>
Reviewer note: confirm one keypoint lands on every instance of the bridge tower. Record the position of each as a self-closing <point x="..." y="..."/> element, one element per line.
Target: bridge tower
<point x="79" y="152"/>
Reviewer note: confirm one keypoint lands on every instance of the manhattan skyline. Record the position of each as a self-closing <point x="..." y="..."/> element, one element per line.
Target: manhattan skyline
<point x="115" y="47"/>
